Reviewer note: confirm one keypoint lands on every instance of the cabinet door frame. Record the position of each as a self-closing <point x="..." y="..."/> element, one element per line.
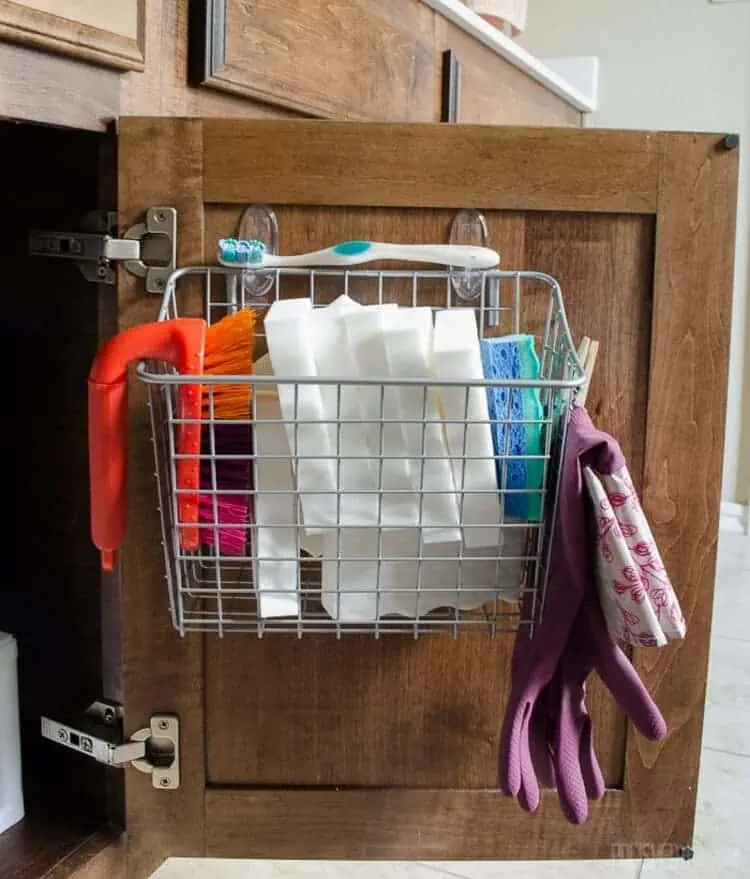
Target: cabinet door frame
<point x="688" y="183"/>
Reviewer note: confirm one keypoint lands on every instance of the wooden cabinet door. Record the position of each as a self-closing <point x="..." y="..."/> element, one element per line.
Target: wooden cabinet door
<point x="365" y="748"/>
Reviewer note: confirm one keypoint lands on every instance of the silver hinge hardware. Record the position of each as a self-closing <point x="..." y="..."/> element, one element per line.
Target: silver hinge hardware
<point x="155" y="749"/>
<point x="147" y="250"/>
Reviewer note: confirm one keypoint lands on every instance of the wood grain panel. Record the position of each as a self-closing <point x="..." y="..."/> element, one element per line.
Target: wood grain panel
<point x="56" y="29"/>
<point x="684" y="442"/>
<point x="161" y="671"/>
<point x="360" y="712"/>
<point x="401" y="824"/>
<point x="604" y="265"/>
<point x="325" y="163"/>
<point x="355" y="60"/>
<point x="495" y="92"/>
<point x="356" y="711"/>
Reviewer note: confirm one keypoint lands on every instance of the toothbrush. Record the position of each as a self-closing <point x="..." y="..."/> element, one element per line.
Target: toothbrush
<point x="234" y="252"/>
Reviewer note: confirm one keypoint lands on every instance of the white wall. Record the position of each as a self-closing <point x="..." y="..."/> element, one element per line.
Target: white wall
<point x="674" y="65"/>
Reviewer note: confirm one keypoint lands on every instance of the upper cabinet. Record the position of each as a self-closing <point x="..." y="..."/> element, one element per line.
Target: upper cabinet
<point x="362" y="60"/>
<point x="370" y="60"/>
<point x="356" y="60"/>
<point x="110" y="34"/>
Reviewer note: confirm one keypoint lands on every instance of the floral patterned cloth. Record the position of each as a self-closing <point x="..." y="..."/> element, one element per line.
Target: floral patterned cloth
<point x="639" y="603"/>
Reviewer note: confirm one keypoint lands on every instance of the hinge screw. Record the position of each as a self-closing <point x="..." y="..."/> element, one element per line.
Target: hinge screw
<point x="159" y="284"/>
<point x="160" y="217"/>
<point x="109" y="715"/>
<point x="164" y="782"/>
<point x="163" y="724"/>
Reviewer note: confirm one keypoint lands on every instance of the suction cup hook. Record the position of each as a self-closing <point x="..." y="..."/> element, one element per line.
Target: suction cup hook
<point x="468" y="227"/>
<point x="258" y="223"/>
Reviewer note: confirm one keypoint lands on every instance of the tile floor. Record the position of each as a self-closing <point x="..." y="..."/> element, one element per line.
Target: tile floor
<point x="722" y="841"/>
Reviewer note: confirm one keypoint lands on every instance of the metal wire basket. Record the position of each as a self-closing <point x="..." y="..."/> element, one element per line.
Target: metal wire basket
<point x="350" y="578"/>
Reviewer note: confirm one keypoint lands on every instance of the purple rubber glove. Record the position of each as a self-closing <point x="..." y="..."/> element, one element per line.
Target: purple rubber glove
<point x="569" y="576"/>
<point x="560" y="735"/>
<point x="564" y="738"/>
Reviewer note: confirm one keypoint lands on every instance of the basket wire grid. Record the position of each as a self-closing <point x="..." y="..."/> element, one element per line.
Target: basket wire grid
<point x="213" y="591"/>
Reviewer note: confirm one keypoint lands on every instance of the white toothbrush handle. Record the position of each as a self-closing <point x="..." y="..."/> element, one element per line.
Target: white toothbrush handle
<point x="442" y="254"/>
<point x="463" y="256"/>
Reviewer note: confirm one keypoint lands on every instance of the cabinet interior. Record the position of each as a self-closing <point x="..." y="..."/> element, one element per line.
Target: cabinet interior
<point x="50" y="584"/>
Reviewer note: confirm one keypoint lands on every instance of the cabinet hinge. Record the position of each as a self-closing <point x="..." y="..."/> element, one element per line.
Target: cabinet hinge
<point x="147" y="250"/>
<point x="98" y="734"/>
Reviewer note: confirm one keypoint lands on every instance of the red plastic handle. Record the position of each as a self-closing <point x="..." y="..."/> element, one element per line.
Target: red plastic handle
<point x="181" y="343"/>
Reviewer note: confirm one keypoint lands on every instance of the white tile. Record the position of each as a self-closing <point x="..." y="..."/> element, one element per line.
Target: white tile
<point x="732" y="602"/>
<point x="734" y="549"/>
<point x="538" y="869"/>
<point x="727" y="722"/>
<point x="729" y="673"/>
<point x="190" y="868"/>
<point x="727" y="728"/>
<point x="722" y="843"/>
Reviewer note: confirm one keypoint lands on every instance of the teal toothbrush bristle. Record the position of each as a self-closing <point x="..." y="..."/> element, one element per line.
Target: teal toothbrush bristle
<point x="233" y="251"/>
<point x="352" y="248"/>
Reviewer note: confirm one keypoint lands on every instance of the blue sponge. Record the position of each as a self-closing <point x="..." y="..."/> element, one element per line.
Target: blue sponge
<point x="514" y="357"/>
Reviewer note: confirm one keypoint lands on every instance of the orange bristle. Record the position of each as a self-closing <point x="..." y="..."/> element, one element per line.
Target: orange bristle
<point x="229" y="351"/>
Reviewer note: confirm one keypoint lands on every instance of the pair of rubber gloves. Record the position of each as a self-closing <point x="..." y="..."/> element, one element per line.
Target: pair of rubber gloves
<point x="547" y="738"/>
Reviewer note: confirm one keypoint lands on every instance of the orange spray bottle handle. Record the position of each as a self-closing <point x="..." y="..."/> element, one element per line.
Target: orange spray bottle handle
<point x="181" y="343"/>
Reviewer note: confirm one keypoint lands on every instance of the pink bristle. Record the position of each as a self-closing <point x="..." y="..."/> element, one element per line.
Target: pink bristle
<point x="228" y="474"/>
<point x="224" y="513"/>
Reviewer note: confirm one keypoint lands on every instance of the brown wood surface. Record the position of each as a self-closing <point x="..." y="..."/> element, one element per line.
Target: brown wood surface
<point x="38" y="87"/>
<point x="162" y="88"/>
<point x="59" y="33"/>
<point x="357" y="60"/>
<point x="360" y="712"/>
<point x="402" y="825"/>
<point x="58" y="90"/>
<point x="495" y="92"/>
<point x="43" y="87"/>
<point x="55" y="845"/>
<point x="101" y="856"/>
<point x="332" y="163"/>
<point x="160" y="162"/>
<point x="604" y="264"/>
<point x="684" y="444"/>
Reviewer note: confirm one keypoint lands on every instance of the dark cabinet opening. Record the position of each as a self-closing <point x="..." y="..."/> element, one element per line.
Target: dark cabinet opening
<point x="51" y="595"/>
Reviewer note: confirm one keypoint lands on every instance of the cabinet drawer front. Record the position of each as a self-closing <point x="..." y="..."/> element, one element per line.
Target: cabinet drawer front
<point x="357" y="60"/>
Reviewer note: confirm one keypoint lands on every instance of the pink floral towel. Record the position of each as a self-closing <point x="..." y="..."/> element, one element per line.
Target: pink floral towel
<point x="637" y="597"/>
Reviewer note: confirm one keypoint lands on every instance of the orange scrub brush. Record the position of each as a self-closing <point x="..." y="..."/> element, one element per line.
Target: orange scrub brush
<point x="225" y="448"/>
<point x="190" y="346"/>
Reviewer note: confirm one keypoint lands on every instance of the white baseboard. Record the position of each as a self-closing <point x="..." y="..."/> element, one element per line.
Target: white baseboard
<point x="734" y="518"/>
